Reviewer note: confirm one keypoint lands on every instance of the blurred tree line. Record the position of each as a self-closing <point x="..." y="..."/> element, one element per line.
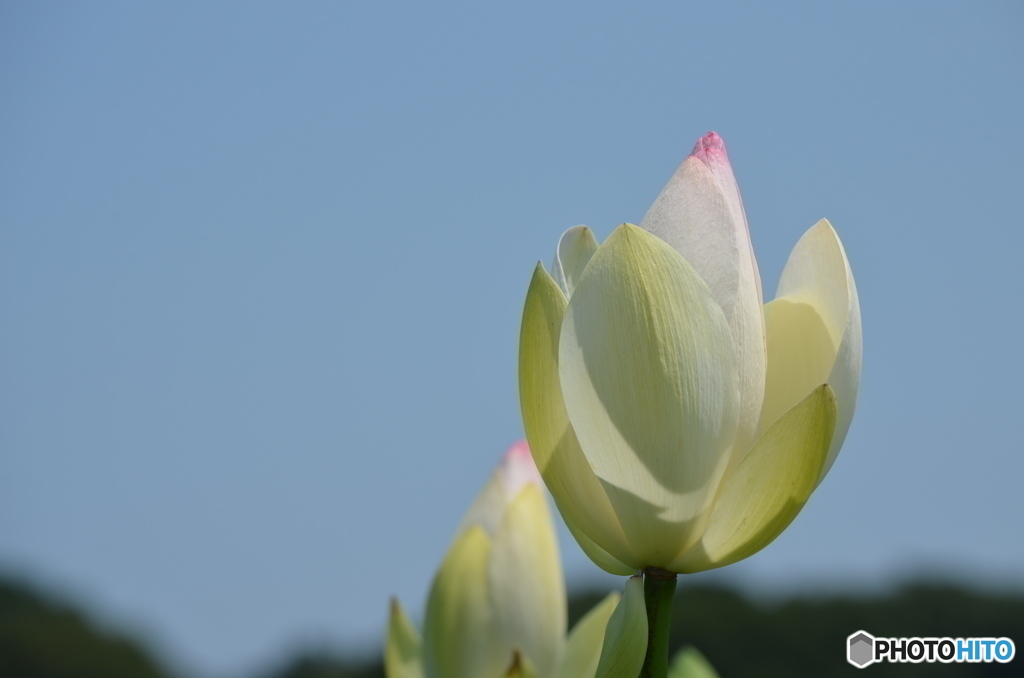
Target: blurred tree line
<point x="44" y="638"/>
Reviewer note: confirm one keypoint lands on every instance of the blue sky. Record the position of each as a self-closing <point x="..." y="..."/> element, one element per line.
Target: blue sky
<point x="262" y="268"/>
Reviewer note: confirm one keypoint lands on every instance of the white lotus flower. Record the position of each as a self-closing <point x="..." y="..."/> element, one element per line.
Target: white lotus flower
<point x="678" y="421"/>
<point x="497" y="607"/>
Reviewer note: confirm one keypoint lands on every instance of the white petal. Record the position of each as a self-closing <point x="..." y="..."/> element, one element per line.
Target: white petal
<point x="700" y="214"/>
<point x="515" y="472"/>
<point x="649" y="383"/>
<point x="575" y="248"/>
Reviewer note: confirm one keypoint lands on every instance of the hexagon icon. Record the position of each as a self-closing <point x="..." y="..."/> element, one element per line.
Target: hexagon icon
<point x="860" y="649"/>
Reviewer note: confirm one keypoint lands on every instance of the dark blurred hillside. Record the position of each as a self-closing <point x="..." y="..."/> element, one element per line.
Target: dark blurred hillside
<point x="42" y="638"/>
<point x="805" y="637"/>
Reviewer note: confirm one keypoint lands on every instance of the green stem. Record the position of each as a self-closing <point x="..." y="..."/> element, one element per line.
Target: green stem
<point x="659" y="591"/>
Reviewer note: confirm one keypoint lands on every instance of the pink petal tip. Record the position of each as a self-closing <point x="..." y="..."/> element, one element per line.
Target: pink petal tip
<point x="518" y="467"/>
<point x="520" y="448"/>
<point x="708" y="146"/>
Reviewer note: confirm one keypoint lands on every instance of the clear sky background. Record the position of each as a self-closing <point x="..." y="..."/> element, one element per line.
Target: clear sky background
<point x="262" y="269"/>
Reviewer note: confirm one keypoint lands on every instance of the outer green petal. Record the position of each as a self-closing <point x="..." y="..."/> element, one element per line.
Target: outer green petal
<point x="583" y="649"/>
<point x="818" y="274"/>
<point x="527" y="591"/>
<point x="769" y="487"/>
<point x="458" y="632"/>
<point x="575" y="248"/>
<point x="403" y="655"/>
<point x="602" y="558"/>
<point x="647" y="373"/>
<point x="625" y="639"/>
<point x="689" y="663"/>
<point x="580" y="496"/>
<point x="521" y="667"/>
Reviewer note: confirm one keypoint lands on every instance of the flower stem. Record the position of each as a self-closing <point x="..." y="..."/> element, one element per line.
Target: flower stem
<point x="659" y="591"/>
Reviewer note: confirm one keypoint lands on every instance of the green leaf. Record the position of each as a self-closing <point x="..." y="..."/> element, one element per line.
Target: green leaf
<point x="583" y="648"/>
<point x="690" y="663"/>
<point x="625" y="638"/>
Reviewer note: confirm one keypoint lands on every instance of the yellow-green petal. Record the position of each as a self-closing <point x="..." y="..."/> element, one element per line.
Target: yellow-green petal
<point x="458" y="610"/>
<point x="527" y="590"/>
<point x="403" y="655"/>
<point x="575" y="248"/>
<point x="766" y="491"/>
<point x="818" y="275"/>
<point x="578" y="493"/>
<point x="801" y="353"/>
<point x="583" y="648"/>
<point x="690" y="663"/>
<point x="601" y="558"/>
<point x="646" y="366"/>
<point x="625" y="637"/>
